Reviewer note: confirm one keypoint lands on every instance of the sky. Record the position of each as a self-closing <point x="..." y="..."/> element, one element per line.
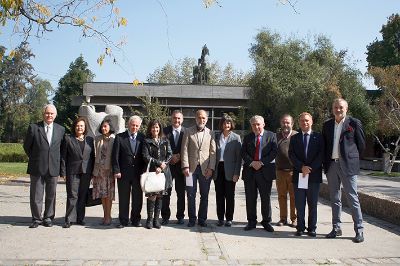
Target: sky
<point x="169" y="30"/>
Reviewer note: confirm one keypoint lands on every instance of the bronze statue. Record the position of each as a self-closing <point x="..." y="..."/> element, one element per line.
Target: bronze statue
<point x="201" y="72"/>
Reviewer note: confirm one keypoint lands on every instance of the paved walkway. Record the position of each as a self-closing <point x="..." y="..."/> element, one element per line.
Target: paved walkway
<point x="179" y="245"/>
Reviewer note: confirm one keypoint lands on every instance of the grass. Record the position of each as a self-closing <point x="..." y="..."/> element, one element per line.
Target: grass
<point x="382" y="174"/>
<point x="13" y="169"/>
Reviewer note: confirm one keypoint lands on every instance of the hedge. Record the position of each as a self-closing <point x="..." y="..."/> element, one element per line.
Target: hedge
<point x="12" y="152"/>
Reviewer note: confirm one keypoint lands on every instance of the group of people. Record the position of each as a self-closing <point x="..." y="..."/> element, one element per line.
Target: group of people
<point x="191" y="158"/>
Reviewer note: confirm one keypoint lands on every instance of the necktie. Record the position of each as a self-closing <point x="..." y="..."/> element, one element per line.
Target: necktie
<point x="176" y="137"/>
<point x="257" y="153"/>
<point x="48" y="134"/>
<point x="305" y="143"/>
<point x="133" y="143"/>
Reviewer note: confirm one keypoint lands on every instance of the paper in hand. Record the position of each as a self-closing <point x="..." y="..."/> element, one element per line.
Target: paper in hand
<point x="303" y="181"/>
<point x="189" y="180"/>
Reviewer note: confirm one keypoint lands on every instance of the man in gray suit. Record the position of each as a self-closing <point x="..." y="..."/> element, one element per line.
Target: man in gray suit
<point x="344" y="143"/>
<point x="42" y="145"/>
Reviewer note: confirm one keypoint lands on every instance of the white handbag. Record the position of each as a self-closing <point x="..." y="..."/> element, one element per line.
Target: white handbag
<point x="152" y="182"/>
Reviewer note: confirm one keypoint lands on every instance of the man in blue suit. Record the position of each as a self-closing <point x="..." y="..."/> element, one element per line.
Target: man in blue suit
<point x="306" y="151"/>
<point x="345" y="141"/>
<point x="259" y="150"/>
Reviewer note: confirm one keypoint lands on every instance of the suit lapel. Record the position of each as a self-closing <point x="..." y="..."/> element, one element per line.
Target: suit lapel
<point x="346" y="123"/>
<point x="43" y="132"/>
<point x="128" y="142"/>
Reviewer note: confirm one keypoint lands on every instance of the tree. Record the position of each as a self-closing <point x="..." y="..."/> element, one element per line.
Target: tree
<point x="294" y="76"/>
<point x="388" y="104"/>
<point x="386" y="52"/>
<point x="70" y="85"/>
<point x="15" y="76"/>
<point x="182" y="73"/>
<point x="37" y="97"/>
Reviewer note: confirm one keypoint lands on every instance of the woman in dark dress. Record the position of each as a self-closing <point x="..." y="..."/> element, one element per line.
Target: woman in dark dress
<point x="156" y="151"/>
<point x="77" y="159"/>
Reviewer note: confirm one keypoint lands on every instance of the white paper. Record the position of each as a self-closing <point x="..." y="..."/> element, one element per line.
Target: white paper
<point x="189" y="180"/>
<point x="303" y="181"/>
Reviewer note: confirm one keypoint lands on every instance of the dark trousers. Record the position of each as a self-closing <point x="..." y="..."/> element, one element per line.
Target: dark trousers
<point x="129" y="188"/>
<point x="180" y="186"/>
<point x="224" y="194"/>
<point x="77" y="193"/>
<point x="301" y="196"/>
<point x="204" y="185"/>
<point x="253" y="185"/>
<point x="40" y="185"/>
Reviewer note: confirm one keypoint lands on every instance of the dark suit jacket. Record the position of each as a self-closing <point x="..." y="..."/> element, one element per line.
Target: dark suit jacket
<point x="124" y="161"/>
<point x="315" y="153"/>
<point x="170" y="136"/>
<point x="268" y="154"/>
<point x="73" y="160"/>
<point x="352" y="144"/>
<point x="43" y="159"/>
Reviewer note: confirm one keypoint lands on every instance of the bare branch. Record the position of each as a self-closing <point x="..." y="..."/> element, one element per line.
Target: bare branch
<point x="383" y="147"/>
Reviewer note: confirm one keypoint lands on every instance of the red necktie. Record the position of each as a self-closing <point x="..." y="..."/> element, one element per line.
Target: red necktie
<point x="257" y="153"/>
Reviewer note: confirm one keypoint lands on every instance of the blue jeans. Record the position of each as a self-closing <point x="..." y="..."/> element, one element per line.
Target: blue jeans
<point x="301" y="196"/>
<point x="204" y="185"/>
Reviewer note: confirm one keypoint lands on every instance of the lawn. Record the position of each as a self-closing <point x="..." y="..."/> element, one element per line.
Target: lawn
<point x="13" y="169"/>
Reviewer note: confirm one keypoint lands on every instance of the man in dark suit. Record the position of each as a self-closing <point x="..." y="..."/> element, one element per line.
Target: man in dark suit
<point x="259" y="150"/>
<point x="174" y="133"/>
<point x="306" y="151"/>
<point x="344" y="141"/>
<point x="128" y="165"/>
<point x="42" y="145"/>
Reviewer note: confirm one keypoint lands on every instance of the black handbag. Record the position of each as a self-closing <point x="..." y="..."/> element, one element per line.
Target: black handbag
<point x="90" y="201"/>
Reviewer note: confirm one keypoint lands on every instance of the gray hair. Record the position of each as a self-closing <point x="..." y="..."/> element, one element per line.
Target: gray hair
<point x="287" y="115"/>
<point x="338" y="100"/>
<point x="47" y="106"/>
<point x="177" y="111"/>
<point x="134" y="117"/>
<point x="256" y="117"/>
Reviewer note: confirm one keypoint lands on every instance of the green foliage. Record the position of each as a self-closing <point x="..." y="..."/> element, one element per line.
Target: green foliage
<point x="70" y="85"/>
<point x="294" y="76"/>
<point x="182" y="73"/>
<point x="387" y="51"/>
<point x="12" y="152"/>
<point x="12" y="170"/>
<point x="37" y="97"/>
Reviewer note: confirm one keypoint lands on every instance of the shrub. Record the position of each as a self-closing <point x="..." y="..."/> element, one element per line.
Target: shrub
<point x="12" y="152"/>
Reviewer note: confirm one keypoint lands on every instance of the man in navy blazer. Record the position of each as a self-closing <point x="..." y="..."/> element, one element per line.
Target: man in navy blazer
<point x="345" y="141"/>
<point x="306" y="151"/>
<point x="127" y="166"/>
<point x="259" y="150"/>
<point x="42" y="145"/>
<point x="174" y="133"/>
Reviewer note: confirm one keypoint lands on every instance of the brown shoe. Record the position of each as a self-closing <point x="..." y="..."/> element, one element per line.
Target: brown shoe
<point x="293" y="224"/>
<point x="281" y="223"/>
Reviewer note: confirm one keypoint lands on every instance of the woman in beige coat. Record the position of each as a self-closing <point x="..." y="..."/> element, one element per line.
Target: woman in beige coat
<point x="103" y="179"/>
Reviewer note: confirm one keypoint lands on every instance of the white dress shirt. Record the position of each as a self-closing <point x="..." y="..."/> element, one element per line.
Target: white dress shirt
<point x="336" y="138"/>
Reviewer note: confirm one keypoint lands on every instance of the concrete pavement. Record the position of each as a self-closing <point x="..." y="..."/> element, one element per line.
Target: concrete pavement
<point x="179" y="245"/>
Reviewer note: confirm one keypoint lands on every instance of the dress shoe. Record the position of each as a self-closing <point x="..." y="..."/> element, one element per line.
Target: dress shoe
<point x="299" y="233"/>
<point x="228" y="223"/>
<point x="220" y="223"/>
<point x="359" y="238"/>
<point x="34" y="224"/>
<point x="293" y="224"/>
<point x="202" y="224"/>
<point x="249" y="227"/>
<point x="281" y="223"/>
<point x="137" y="224"/>
<point x="191" y="224"/>
<point x="334" y="233"/>
<point x="67" y="225"/>
<point x="267" y="226"/>
<point x="120" y="226"/>
<point x="165" y="221"/>
<point x="180" y="221"/>
<point x="312" y="233"/>
<point x="47" y="223"/>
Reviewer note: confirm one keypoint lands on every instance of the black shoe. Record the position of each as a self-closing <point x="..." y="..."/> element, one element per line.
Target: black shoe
<point x="334" y="233"/>
<point x="228" y="223"/>
<point x="47" y="224"/>
<point x="149" y="223"/>
<point x="220" y="223"/>
<point x="191" y="224"/>
<point x="359" y="238"/>
<point x="249" y="227"/>
<point x="120" y="226"/>
<point x="34" y="224"/>
<point x="165" y="221"/>
<point x="81" y="223"/>
<point x="67" y="225"/>
<point x="180" y="221"/>
<point x="299" y="233"/>
<point x="312" y="233"/>
<point x="202" y="224"/>
<point x="267" y="226"/>
<point x="137" y="224"/>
